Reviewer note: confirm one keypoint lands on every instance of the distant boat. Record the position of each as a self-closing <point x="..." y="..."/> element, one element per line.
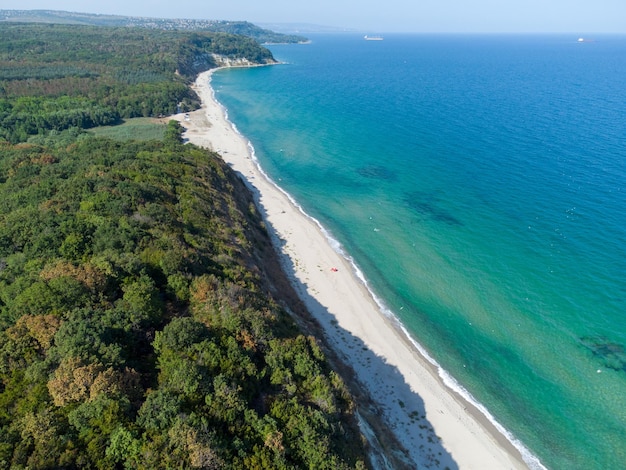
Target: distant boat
<point x="373" y="38"/>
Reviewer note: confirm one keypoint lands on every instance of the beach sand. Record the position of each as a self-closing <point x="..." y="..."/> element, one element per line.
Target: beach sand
<point x="435" y="425"/>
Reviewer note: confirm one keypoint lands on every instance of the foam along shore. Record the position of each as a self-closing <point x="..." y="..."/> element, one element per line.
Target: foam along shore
<point x="435" y="425"/>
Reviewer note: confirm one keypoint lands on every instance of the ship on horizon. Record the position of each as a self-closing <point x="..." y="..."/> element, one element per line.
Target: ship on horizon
<point x="372" y="38"/>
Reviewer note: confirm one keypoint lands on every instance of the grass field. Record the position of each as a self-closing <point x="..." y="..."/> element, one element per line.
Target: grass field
<point x="133" y="129"/>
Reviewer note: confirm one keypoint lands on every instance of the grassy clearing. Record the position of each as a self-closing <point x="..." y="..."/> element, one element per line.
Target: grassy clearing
<point x="133" y="129"/>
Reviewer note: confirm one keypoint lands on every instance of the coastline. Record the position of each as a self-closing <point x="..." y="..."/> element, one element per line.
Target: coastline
<point x="437" y="427"/>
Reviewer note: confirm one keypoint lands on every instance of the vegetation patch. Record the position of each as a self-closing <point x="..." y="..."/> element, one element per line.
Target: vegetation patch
<point x="133" y="129"/>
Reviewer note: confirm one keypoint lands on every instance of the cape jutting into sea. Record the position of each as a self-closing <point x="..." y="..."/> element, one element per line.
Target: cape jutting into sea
<point x="479" y="182"/>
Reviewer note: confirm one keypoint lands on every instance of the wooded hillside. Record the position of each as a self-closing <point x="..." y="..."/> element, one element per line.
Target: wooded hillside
<point x="53" y="77"/>
<point x="142" y="322"/>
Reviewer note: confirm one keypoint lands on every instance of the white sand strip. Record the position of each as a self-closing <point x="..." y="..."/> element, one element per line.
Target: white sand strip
<point x="413" y="400"/>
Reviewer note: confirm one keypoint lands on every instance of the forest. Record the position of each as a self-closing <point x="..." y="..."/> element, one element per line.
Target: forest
<point x="54" y="77"/>
<point x="144" y="318"/>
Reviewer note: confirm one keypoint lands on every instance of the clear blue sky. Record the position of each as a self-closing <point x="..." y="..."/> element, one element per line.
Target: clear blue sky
<point x="571" y="16"/>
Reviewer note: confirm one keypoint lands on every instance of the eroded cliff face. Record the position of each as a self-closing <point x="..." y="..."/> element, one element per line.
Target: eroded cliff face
<point x="190" y="67"/>
<point x="207" y="61"/>
<point x="225" y="61"/>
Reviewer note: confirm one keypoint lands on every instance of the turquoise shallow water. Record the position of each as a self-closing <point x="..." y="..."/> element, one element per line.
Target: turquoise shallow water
<point x="479" y="184"/>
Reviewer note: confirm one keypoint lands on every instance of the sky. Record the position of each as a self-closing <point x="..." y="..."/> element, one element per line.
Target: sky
<point x="376" y="16"/>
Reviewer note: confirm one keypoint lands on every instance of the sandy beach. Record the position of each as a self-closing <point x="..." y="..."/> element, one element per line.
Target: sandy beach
<point x="436" y="427"/>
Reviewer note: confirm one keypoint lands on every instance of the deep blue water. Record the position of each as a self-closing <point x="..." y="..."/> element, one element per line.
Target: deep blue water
<point x="479" y="182"/>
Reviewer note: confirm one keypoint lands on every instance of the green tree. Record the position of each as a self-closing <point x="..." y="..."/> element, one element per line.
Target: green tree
<point x="173" y="133"/>
<point x="141" y="302"/>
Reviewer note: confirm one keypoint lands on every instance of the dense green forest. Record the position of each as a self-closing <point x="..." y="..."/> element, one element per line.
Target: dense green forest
<point x="53" y="77"/>
<point x="143" y="319"/>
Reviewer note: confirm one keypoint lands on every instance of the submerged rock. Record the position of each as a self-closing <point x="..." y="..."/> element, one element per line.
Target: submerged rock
<point x="611" y="354"/>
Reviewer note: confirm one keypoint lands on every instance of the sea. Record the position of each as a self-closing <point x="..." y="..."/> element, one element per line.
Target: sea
<point x="479" y="184"/>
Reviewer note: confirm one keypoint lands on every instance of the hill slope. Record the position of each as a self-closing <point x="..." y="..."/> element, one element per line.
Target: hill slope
<point x="53" y="77"/>
<point x="143" y="312"/>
